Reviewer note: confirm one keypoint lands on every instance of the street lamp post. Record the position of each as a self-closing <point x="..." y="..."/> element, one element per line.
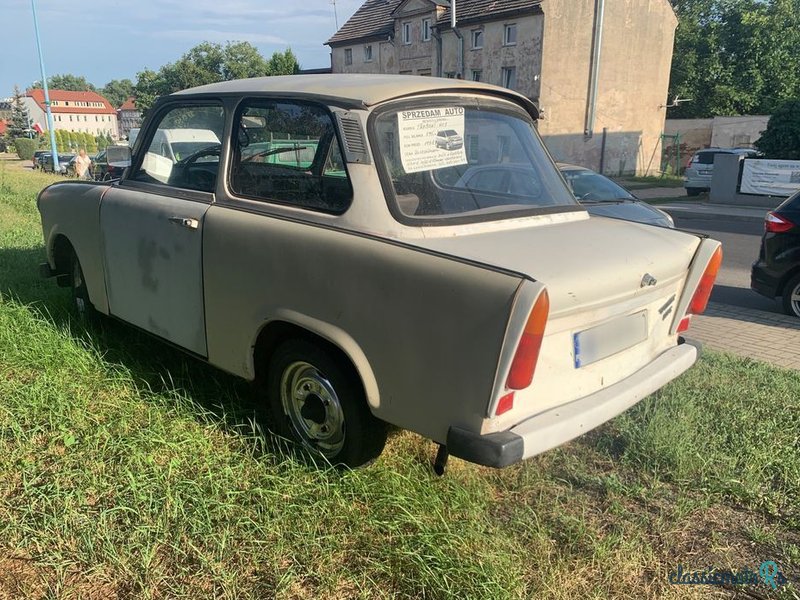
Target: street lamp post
<point x="53" y="147"/>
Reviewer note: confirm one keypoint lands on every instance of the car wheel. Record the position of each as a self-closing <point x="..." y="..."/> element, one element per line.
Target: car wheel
<point x="316" y="399"/>
<point x="694" y="191"/>
<point x="791" y="297"/>
<point x="80" y="293"/>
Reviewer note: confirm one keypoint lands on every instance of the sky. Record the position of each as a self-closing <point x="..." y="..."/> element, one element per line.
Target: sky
<point x="111" y="39"/>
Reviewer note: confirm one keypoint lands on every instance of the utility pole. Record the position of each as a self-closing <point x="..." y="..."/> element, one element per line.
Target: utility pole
<point x="53" y="147"/>
<point x="335" y="15"/>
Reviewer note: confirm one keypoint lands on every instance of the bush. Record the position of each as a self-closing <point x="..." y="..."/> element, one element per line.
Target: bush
<point x="25" y="148"/>
<point x="781" y="140"/>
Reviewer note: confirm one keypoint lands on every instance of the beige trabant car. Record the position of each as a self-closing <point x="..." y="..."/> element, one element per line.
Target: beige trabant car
<point x="308" y="233"/>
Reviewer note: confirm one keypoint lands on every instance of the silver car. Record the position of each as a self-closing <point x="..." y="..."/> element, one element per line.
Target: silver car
<point x="361" y="284"/>
<point x="698" y="173"/>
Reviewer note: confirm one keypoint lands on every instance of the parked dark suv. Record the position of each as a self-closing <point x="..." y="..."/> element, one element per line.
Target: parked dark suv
<point x="777" y="270"/>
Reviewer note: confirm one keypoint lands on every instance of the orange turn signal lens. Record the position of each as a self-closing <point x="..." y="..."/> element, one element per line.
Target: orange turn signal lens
<point x="527" y="355"/>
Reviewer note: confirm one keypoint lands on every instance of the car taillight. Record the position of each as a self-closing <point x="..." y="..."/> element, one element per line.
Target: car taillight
<point x="527" y="355"/>
<point x="775" y="223"/>
<point x="699" y="301"/>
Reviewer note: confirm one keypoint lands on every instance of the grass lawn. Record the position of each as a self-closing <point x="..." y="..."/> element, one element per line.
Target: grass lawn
<point x="128" y="470"/>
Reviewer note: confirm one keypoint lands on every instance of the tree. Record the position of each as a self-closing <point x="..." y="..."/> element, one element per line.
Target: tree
<point x="735" y="57"/>
<point x="283" y="63"/>
<point x="67" y="81"/>
<point x="782" y="136"/>
<point x="209" y="63"/>
<point x="19" y="125"/>
<point x="117" y="91"/>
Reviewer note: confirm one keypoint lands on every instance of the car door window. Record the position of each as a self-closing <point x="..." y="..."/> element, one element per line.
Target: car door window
<point x="288" y="153"/>
<point x="184" y="149"/>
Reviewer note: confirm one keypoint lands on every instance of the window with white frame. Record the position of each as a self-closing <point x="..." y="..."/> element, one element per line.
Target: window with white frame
<point x="368" y="53"/>
<point x="476" y="74"/>
<point x="477" y="39"/>
<point x="426" y="30"/>
<point x="510" y="35"/>
<point x="510" y="77"/>
<point x="348" y="56"/>
<point x="406" y="33"/>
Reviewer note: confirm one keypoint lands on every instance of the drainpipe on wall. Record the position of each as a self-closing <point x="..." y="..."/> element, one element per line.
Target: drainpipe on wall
<point x="460" y="71"/>
<point x="438" y="37"/>
<point x="597" y="40"/>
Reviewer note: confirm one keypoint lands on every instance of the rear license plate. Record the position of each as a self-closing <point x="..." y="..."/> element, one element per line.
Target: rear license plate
<point x="597" y="343"/>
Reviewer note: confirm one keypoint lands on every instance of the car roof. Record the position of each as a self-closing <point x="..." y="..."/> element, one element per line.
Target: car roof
<point x="358" y="90"/>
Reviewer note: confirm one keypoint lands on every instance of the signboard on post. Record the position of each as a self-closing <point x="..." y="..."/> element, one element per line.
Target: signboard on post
<point x="770" y="177"/>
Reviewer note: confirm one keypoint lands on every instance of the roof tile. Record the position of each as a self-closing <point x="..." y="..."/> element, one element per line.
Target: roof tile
<point x="374" y="17"/>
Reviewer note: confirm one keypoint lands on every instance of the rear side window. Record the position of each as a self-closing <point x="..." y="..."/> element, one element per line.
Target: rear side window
<point x="288" y="153"/>
<point x="707" y="158"/>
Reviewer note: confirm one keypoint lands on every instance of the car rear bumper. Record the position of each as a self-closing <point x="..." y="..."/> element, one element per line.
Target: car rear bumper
<point x="566" y="422"/>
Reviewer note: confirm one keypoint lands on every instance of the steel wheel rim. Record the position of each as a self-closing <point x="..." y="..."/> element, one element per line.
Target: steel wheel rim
<point x="795" y="300"/>
<point x="313" y="408"/>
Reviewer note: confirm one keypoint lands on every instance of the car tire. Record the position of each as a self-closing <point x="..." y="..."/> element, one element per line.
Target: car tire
<point x="791" y="297"/>
<point x="694" y="191"/>
<point x="316" y="399"/>
<point x="80" y="293"/>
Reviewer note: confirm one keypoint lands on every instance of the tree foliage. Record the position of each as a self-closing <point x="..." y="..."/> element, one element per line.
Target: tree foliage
<point x="19" y="125"/>
<point x="735" y="57"/>
<point x="210" y="63"/>
<point x="117" y="91"/>
<point x="782" y="137"/>
<point x="67" y="81"/>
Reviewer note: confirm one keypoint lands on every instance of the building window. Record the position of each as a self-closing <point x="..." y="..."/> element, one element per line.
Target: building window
<point x="70" y="118"/>
<point x="406" y="33"/>
<point x="477" y="74"/>
<point x="426" y="30"/>
<point x="510" y="77"/>
<point x="368" y="53"/>
<point x="477" y="39"/>
<point x="510" y="35"/>
<point x="348" y="56"/>
<point x="96" y="118"/>
<point x="450" y="74"/>
<point x="424" y="72"/>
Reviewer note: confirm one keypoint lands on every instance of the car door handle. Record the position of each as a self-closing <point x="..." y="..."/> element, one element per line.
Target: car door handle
<point x="184" y="222"/>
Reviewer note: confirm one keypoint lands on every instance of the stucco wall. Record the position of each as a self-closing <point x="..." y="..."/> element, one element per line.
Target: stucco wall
<point x="738" y="132"/>
<point x="635" y="59"/>
<point x="526" y="55"/>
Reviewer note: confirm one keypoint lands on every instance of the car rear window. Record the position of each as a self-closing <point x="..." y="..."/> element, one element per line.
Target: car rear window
<point x="707" y="158"/>
<point x="500" y="170"/>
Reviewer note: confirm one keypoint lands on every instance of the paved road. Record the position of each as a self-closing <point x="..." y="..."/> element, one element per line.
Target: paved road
<point x="740" y="244"/>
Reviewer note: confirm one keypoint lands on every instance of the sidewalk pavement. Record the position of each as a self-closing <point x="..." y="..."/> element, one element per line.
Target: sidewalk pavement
<point x="658" y="192"/>
<point x="769" y="337"/>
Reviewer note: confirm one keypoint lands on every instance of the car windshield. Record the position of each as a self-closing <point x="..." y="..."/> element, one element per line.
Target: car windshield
<point x="501" y="168"/>
<point x="590" y="186"/>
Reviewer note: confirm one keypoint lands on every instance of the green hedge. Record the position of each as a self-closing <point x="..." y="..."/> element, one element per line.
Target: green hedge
<point x="25" y="148"/>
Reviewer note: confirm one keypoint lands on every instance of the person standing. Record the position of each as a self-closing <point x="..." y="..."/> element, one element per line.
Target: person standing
<point x="83" y="164"/>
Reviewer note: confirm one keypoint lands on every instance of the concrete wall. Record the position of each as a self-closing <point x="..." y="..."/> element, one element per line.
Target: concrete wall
<point x="738" y="132"/>
<point x="635" y="59"/>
